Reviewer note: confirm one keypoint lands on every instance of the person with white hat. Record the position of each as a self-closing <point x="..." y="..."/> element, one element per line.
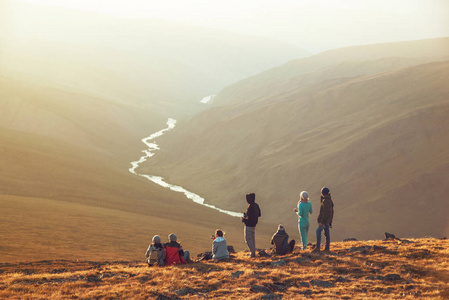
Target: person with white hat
<point x="303" y="210"/>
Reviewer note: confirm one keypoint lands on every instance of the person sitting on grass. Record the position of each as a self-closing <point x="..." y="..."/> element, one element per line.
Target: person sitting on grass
<point x="280" y="241"/>
<point x="174" y="255"/>
<point x="155" y="253"/>
<point x="219" y="246"/>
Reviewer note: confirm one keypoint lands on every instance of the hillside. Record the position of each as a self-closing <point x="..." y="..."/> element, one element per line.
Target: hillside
<point x="393" y="269"/>
<point x="65" y="188"/>
<point x="334" y="64"/>
<point x="378" y="141"/>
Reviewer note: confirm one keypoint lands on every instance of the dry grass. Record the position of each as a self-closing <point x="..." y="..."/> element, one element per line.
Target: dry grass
<point x="354" y="270"/>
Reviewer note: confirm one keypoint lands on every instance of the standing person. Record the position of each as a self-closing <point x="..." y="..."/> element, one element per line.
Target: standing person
<point x="174" y="255"/>
<point x="324" y="219"/>
<point x="303" y="210"/>
<point x="280" y="243"/>
<point x="250" y="218"/>
<point x="155" y="253"/>
<point x="219" y="246"/>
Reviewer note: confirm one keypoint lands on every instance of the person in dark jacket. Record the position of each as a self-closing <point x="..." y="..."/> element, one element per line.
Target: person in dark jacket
<point x="250" y="218"/>
<point x="280" y="241"/>
<point x="324" y="219"/>
<point x="174" y="255"/>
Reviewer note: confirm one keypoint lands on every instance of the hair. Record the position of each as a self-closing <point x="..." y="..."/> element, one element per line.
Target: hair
<point x="304" y="195"/>
<point x="281" y="227"/>
<point x="219" y="232"/>
<point x="172" y="237"/>
<point x="250" y="196"/>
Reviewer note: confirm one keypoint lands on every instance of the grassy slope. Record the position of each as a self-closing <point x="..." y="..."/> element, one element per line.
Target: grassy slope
<point x="59" y="201"/>
<point x="351" y="271"/>
<point x="367" y="137"/>
<point x="65" y="187"/>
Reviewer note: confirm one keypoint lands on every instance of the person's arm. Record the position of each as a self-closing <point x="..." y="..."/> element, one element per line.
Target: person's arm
<point x="214" y="248"/>
<point x="310" y="210"/>
<point x="147" y="254"/>
<point x="300" y="209"/>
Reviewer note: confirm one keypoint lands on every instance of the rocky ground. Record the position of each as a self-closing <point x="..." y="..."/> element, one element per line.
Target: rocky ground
<point x="392" y="269"/>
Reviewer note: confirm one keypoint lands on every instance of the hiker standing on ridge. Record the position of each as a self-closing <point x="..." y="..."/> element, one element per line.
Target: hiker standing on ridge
<point x="324" y="219"/>
<point x="303" y="210"/>
<point x="250" y="218"/>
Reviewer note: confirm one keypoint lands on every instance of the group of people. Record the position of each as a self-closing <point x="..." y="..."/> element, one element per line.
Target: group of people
<point x="171" y="253"/>
<point x="280" y="242"/>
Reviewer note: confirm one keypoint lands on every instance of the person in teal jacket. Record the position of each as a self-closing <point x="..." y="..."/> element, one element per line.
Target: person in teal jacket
<point x="303" y="210"/>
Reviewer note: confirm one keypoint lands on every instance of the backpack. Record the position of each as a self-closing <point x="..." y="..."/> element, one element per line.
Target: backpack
<point x="153" y="258"/>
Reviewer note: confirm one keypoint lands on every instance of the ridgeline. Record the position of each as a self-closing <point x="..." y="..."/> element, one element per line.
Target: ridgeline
<point x="392" y="269"/>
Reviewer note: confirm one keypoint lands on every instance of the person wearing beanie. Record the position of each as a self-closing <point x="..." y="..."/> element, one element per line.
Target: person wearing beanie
<point x="219" y="246"/>
<point x="156" y="252"/>
<point x="174" y="255"/>
<point x="324" y="219"/>
<point x="250" y="218"/>
<point x="303" y="210"/>
<point x="280" y="243"/>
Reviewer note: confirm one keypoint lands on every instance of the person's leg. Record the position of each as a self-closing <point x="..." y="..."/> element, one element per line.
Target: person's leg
<point x="304" y="232"/>
<point x="250" y="239"/>
<point x="328" y="237"/>
<point x="253" y="239"/>
<point x="186" y="255"/>
<point x="318" y="238"/>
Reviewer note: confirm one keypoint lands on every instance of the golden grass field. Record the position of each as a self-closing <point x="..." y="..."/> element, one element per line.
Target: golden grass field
<point x="389" y="269"/>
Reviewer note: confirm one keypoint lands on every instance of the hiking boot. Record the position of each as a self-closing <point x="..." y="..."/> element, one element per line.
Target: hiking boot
<point x="326" y="251"/>
<point x="316" y="250"/>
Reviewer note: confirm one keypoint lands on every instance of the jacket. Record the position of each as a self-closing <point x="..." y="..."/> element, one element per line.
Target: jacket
<point x="252" y="214"/>
<point x="280" y="242"/>
<point x="173" y="254"/>
<point x="326" y="210"/>
<point x="304" y="209"/>
<point x="220" y="248"/>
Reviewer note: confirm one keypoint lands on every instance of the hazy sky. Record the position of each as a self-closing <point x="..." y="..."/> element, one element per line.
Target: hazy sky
<point x="314" y="25"/>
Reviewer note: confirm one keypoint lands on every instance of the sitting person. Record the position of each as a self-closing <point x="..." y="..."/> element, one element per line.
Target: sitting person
<point x="219" y="246"/>
<point x="280" y="241"/>
<point x="174" y="255"/>
<point x="155" y="253"/>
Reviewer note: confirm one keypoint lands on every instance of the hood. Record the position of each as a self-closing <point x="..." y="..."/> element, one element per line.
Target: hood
<point x="156" y="239"/>
<point x="250" y="198"/>
<point x="219" y="239"/>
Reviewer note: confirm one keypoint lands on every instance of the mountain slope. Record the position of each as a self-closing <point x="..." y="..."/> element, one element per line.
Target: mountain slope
<point x="368" y="138"/>
<point x="65" y="188"/>
<point x="334" y="64"/>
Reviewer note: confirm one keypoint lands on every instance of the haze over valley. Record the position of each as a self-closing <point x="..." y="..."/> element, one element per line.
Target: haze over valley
<point x="81" y="87"/>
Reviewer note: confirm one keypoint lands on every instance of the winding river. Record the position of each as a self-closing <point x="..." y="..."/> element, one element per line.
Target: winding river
<point x="148" y="141"/>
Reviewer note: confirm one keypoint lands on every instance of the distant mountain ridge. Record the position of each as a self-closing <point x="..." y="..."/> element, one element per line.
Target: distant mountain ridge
<point x="166" y="65"/>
